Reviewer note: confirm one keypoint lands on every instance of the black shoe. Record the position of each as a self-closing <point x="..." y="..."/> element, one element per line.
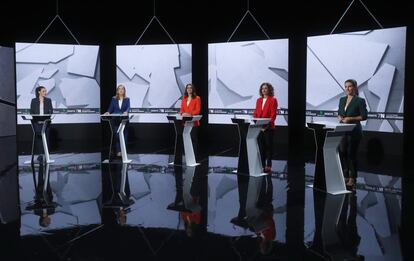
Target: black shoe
<point x="240" y="221"/>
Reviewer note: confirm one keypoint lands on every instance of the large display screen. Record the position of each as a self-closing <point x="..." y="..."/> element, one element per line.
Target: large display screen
<point x="375" y="59"/>
<point x="235" y="72"/>
<point x="154" y="77"/>
<point x="70" y="74"/>
<point x="7" y="92"/>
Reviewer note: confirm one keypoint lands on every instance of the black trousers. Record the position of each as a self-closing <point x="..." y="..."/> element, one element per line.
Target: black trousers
<point x="265" y="141"/>
<point x="348" y="149"/>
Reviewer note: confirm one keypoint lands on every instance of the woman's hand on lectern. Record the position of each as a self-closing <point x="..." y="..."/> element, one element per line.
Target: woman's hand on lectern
<point x="106" y="113"/>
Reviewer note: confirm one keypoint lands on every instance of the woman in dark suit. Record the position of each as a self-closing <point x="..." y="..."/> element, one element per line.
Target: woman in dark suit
<point x="119" y="105"/>
<point x="40" y="105"/>
<point x="266" y="107"/>
<point x="351" y="109"/>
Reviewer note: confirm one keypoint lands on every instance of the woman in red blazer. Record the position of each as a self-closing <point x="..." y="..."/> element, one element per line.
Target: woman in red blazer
<point x="191" y="103"/>
<point x="266" y="107"/>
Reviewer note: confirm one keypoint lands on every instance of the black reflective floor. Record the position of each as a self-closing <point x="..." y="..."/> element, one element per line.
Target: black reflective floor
<point x="81" y="209"/>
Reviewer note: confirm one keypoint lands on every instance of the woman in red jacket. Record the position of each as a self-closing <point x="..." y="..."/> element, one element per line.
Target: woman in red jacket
<point x="190" y="106"/>
<point x="266" y="107"/>
<point x="191" y="103"/>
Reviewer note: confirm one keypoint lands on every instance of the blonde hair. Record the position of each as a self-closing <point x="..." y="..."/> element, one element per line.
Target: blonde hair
<point x="117" y="89"/>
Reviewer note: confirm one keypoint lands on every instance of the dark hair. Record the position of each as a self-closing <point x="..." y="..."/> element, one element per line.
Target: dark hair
<point x="194" y="94"/>
<point x="38" y="89"/>
<point x="269" y="86"/>
<point x="355" y="84"/>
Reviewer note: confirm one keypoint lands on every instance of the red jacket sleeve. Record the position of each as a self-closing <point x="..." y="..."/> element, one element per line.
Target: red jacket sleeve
<point x="273" y="110"/>
<point x="256" y="111"/>
<point x="183" y="101"/>
<point x="197" y="106"/>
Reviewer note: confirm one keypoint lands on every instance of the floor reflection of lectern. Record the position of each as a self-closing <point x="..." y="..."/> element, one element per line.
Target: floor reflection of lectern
<point x="328" y="169"/>
<point x="183" y="126"/>
<point x="44" y="120"/>
<point x="250" y="161"/>
<point x="332" y="213"/>
<point x="122" y="120"/>
<point x="184" y="201"/>
<point x="121" y="194"/>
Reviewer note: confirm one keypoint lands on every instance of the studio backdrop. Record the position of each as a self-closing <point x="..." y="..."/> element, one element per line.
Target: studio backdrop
<point x="235" y="72"/>
<point x="375" y="59"/>
<point x="70" y="74"/>
<point x="154" y="77"/>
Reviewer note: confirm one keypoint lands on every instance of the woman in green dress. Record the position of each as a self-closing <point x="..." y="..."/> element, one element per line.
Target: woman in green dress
<point x="351" y="109"/>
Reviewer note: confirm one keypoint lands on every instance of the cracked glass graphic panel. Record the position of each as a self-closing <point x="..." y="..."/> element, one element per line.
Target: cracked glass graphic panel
<point x="375" y="59"/>
<point x="235" y="72"/>
<point x="154" y="77"/>
<point x="70" y="74"/>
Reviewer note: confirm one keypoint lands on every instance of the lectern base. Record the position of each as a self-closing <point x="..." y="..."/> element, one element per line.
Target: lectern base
<point x="124" y="161"/>
<point x="339" y="192"/>
<point x="30" y="162"/>
<point x="251" y="175"/>
<point x="191" y="165"/>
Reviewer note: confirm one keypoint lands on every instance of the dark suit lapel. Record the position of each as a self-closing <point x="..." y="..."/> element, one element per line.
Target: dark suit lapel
<point x="351" y="104"/>
<point x="37" y="106"/>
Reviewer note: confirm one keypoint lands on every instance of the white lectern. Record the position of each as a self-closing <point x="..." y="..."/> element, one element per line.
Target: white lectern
<point x="183" y="126"/>
<point x="44" y="120"/>
<point x="250" y="161"/>
<point x="122" y="119"/>
<point x="328" y="169"/>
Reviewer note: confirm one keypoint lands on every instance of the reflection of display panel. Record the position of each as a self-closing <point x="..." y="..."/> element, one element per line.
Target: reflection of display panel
<point x="154" y="77"/>
<point x="70" y="74"/>
<point x="75" y="188"/>
<point x="235" y="72"/>
<point x="375" y="59"/>
<point x="7" y="92"/>
<point x="224" y="197"/>
<point x="370" y="215"/>
<point x="7" y="78"/>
